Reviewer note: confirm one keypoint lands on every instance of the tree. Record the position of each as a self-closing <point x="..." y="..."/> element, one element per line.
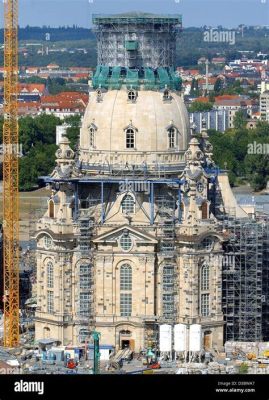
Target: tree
<point x="74" y="130"/>
<point x="218" y="86"/>
<point x="34" y="79"/>
<point x="40" y="129"/>
<point x="199" y="106"/>
<point x="39" y="162"/>
<point x="239" y="120"/>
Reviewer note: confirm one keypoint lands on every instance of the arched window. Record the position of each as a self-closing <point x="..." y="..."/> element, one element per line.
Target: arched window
<point x="128" y="204"/>
<point x="130" y="138"/>
<point x="204" y="291"/>
<point x="51" y="209"/>
<point x="205" y="277"/>
<point x="50" y="277"/>
<point x="126" y="290"/>
<point x="171" y="138"/>
<point x="126" y="277"/>
<point x="92" y="136"/>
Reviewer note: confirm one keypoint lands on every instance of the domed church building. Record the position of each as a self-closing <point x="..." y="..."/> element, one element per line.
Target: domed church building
<point x="131" y="238"/>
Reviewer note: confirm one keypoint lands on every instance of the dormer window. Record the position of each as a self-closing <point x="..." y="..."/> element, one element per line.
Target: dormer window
<point x="92" y="133"/>
<point x="92" y="137"/>
<point x="99" y="95"/>
<point x="166" y="95"/>
<point x="171" y="138"/>
<point x="130" y="138"/>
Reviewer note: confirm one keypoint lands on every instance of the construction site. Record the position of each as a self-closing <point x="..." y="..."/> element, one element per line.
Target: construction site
<point x="140" y="260"/>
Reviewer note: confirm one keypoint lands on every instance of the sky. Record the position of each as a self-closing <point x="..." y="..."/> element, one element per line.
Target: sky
<point x="228" y="13"/>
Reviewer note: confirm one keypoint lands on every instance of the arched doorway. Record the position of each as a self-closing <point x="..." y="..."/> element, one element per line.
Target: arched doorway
<point x="126" y="341"/>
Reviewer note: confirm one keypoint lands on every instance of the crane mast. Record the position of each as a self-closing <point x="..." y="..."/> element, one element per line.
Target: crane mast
<point x="10" y="176"/>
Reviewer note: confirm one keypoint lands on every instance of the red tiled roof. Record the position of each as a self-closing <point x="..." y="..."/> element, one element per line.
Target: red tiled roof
<point x="227" y="97"/>
<point x="81" y="75"/>
<point x="79" y="69"/>
<point x="192" y="71"/>
<point x="31" y="87"/>
<point x="218" y="59"/>
<point x="202" y="100"/>
<point x="65" y="100"/>
<point x="210" y="80"/>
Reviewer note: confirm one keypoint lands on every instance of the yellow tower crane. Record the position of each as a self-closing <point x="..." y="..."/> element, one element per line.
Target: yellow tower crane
<point x="10" y="176"/>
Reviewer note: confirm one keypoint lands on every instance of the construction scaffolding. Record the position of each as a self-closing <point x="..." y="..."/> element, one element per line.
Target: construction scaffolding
<point x="265" y="280"/>
<point x="152" y="45"/>
<point x="151" y="335"/>
<point x="166" y="206"/>
<point x="85" y="295"/>
<point x="243" y="268"/>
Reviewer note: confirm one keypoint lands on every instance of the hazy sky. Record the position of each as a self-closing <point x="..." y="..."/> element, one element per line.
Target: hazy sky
<point x="195" y="12"/>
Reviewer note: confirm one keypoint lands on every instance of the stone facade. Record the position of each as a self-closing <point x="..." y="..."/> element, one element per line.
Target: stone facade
<point x="123" y="309"/>
<point x="131" y="239"/>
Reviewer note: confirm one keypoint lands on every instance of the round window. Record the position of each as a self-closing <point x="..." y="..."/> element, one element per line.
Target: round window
<point x="131" y="95"/>
<point x="126" y="242"/>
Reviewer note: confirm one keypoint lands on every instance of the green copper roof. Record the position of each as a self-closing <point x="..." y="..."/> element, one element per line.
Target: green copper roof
<point x="146" y="78"/>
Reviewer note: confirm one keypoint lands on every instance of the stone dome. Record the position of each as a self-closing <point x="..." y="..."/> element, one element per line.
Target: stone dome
<point x="126" y="128"/>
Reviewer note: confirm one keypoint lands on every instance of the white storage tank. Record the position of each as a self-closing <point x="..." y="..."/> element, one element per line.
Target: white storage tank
<point x="180" y="337"/>
<point x="195" y="342"/>
<point x="165" y="341"/>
